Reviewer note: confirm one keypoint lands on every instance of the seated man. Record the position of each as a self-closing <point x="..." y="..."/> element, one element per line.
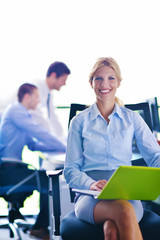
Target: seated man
<point x="18" y="129"/>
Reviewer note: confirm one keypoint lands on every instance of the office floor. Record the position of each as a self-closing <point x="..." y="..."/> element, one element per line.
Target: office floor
<point x="27" y="210"/>
<point x="5" y="234"/>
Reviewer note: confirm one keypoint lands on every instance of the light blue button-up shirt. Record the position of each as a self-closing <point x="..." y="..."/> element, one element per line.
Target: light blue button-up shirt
<point x="93" y="144"/>
<point x="18" y="129"/>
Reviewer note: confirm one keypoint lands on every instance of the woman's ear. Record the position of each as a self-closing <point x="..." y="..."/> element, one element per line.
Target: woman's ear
<point x="91" y="83"/>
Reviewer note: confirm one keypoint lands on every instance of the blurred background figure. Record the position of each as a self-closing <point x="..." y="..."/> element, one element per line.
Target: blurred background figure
<point x="45" y="113"/>
<point x="18" y="129"/>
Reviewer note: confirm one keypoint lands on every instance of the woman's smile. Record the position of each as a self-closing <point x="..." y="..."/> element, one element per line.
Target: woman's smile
<point x="104" y="91"/>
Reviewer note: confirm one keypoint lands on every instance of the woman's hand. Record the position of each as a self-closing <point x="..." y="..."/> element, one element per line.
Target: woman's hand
<point x="99" y="185"/>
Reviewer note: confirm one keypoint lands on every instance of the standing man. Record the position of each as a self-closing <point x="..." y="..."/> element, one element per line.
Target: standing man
<point x="18" y="129"/>
<point x="45" y="114"/>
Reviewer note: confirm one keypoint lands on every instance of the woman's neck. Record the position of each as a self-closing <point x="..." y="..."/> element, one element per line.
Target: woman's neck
<point x="106" y="108"/>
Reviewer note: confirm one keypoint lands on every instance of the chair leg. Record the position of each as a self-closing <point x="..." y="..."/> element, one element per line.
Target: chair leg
<point x="11" y="232"/>
<point x="10" y="227"/>
<point x="15" y="231"/>
<point x="13" y="214"/>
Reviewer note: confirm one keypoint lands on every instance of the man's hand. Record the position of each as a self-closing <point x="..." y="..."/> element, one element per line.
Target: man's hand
<point x="99" y="185"/>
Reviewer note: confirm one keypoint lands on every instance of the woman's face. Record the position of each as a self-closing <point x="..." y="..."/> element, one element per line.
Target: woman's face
<point x="105" y="84"/>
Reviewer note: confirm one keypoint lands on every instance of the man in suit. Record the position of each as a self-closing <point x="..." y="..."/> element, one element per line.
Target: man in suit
<point x="45" y="113"/>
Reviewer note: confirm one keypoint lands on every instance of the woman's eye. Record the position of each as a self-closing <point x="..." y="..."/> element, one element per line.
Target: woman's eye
<point x="111" y="78"/>
<point x="98" y="78"/>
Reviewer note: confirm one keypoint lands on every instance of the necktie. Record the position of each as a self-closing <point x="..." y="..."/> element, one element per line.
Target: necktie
<point x="48" y="98"/>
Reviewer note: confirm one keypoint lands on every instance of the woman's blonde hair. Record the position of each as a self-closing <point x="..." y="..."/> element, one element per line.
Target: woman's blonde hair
<point x="110" y="62"/>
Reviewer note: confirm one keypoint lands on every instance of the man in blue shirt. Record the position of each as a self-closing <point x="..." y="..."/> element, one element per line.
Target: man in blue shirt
<point x="18" y="129"/>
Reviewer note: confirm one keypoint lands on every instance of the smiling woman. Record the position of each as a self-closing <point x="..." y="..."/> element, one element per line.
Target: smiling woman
<point x="102" y="137"/>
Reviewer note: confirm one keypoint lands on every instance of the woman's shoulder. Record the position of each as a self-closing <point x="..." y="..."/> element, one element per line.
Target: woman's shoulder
<point x="129" y="114"/>
<point x="127" y="111"/>
<point x="80" y="117"/>
<point x="82" y="114"/>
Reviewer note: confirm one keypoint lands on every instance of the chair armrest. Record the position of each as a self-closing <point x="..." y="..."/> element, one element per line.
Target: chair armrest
<point x="52" y="173"/>
<point x="54" y="192"/>
<point x="17" y="161"/>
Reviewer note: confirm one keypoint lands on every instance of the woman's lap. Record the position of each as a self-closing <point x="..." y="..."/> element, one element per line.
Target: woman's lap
<point x="84" y="208"/>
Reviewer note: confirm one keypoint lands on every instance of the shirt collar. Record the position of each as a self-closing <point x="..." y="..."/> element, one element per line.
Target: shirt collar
<point x="46" y="88"/>
<point x="117" y="110"/>
<point x="95" y="111"/>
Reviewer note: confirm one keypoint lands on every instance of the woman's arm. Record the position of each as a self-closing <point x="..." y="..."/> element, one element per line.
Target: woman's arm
<point x="74" y="158"/>
<point x="146" y="142"/>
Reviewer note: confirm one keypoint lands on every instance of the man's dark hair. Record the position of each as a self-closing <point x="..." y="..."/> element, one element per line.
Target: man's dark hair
<point x="25" y="88"/>
<point x="59" y="68"/>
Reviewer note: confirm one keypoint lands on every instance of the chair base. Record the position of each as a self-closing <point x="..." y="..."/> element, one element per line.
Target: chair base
<point x="20" y="223"/>
<point x="15" y="221"/>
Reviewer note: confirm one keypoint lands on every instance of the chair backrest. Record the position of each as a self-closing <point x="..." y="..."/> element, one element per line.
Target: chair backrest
<point x="142" y="108"/>
<point x="74" y="108"/>
<point x="154" y="107"/>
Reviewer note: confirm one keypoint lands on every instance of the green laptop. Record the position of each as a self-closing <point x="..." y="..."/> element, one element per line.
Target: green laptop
<point x="130" y="183"/>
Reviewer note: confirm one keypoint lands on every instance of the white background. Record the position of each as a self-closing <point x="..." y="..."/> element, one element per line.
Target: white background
<point x="35" y="33"/>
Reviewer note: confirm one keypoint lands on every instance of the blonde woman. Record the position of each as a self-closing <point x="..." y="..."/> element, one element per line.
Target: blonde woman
<point x="99" y="141"/>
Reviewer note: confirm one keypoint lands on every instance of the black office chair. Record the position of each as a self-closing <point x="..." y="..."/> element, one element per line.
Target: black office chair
<point x="15" y="193"/>
<point x="153" y="103"/>
<point x="72" y="228"/>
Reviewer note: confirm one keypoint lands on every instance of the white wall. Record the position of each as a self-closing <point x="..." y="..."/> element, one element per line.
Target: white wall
<point x="35" y="33"/>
